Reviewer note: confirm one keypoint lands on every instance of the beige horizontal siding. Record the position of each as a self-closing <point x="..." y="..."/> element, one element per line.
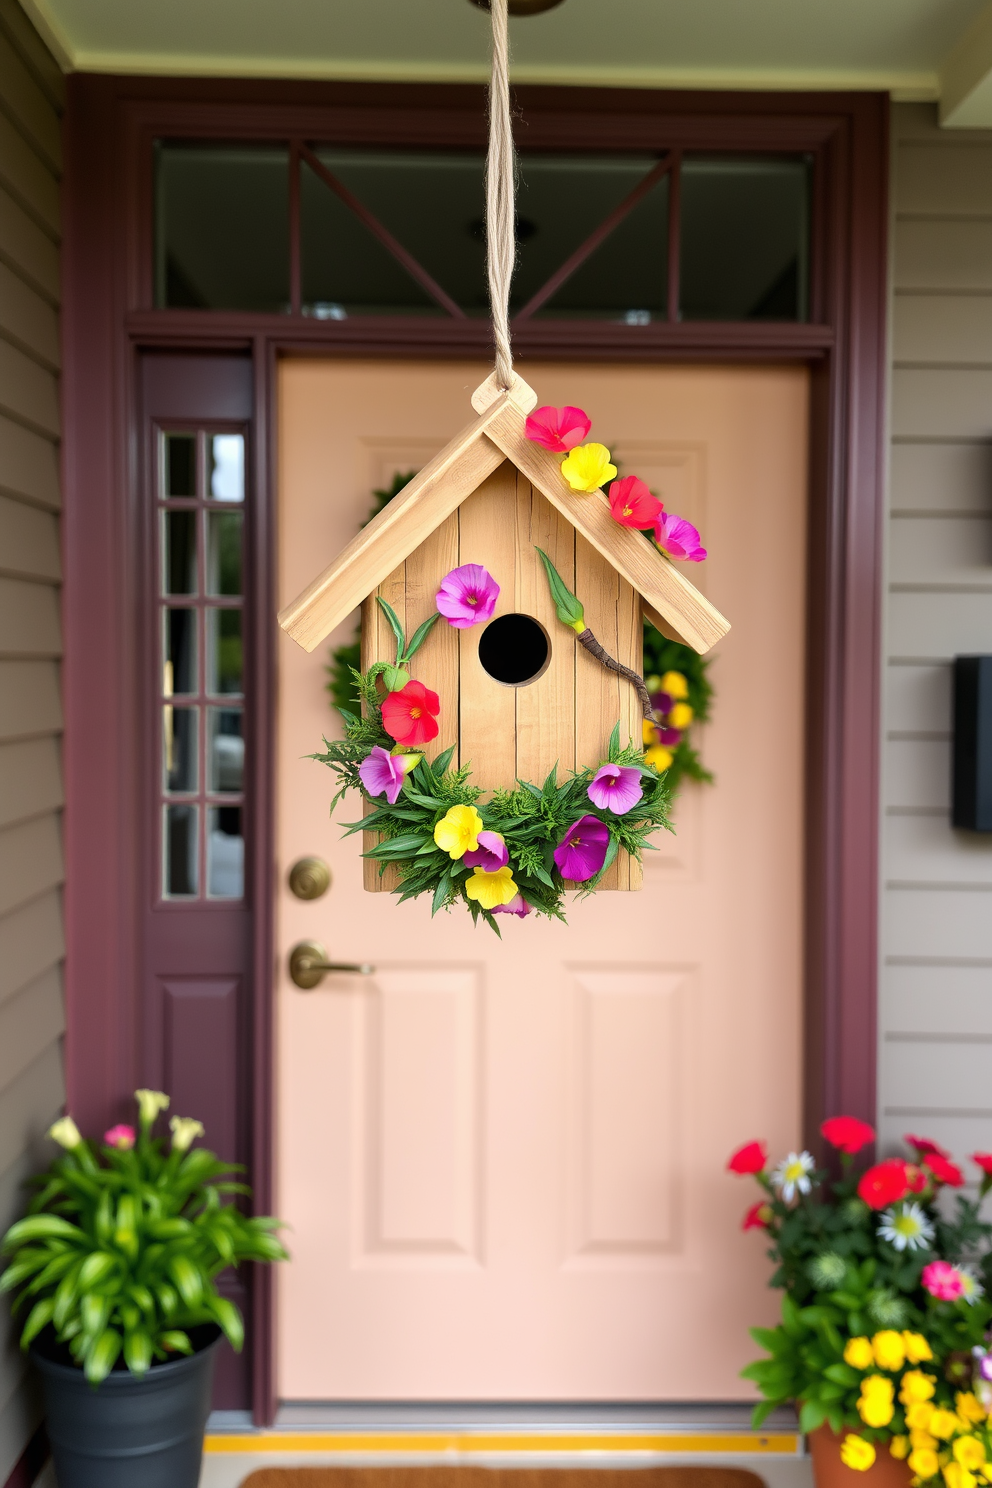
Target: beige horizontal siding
<point x="947" y="255"/>
<point x="941" y="477"/>
<point x="940" y="402"/>
<point x="938" y="624"/>
<point x="32" y="1088"/>
<point x="937" y="179"/>
<point x="941" y="328"/>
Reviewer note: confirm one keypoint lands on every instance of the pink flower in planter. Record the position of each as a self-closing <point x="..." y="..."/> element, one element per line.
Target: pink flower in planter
<point x="490" y="855"/>
<point x="943" y="1281"/>
<point x="120" y="1136"/>
<point x="558" y="429"/>
<point x="631" y="503"/>
<point x="615" y="788"/>
<point x="678" y="538"/>
<point x="382" y="773"/>
<point x="467" y="595"/>
<point x="581" y="853"/>
<point x="517" y="906"/>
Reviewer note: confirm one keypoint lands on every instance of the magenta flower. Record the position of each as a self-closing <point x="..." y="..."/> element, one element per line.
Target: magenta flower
<point x="558" y="429"/>
<point x="943" y="1281"/>
<point x="678" y="538"/>
<point x="381" y="772"/>
<point x="120" y="1136"/>
<point x="662" y="702"/>
<point x="669" y="736"/>
<point x="615" y="788"/>
<point x="467" y="595"/>
<point x="491" y="854"/>
<point x="517" y="906"/>
<point x="581" y="853"/>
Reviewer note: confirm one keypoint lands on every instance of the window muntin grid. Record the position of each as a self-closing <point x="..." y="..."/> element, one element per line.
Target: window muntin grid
<point x="199" y="562"/>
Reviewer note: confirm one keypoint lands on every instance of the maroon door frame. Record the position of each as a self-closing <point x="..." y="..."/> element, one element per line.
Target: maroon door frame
<point x="108" y="320"/>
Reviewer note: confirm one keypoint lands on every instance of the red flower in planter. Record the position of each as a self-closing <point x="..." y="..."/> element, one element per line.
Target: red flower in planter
<point x="984" y="1161"/>
<point x="410" y="715"/>
<point x="751" y="1158"/>
<point x="943" y="1171"/>
<point x="847" y="1133"/>
<point x="886" y="1183"/>
<point x="923" y="1145"/>
<point x="758" y="1216"/>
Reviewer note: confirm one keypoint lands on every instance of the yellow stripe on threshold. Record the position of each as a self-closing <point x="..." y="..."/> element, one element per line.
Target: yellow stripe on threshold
<point x="473" y="1443"/>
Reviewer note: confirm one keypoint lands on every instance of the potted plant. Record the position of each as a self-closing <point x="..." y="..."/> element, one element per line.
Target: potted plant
<point x="883" y="1309"/>
<point x="114" y="1270"/>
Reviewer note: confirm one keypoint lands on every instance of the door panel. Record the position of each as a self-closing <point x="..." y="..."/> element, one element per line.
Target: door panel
<point x="503" y="1161"/>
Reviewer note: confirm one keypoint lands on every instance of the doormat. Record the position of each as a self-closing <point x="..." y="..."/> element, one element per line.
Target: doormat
<point x="506" y="1477"/>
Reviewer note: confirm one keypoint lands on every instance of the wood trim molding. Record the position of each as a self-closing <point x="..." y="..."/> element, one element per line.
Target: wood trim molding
<point x="109" y="124"/>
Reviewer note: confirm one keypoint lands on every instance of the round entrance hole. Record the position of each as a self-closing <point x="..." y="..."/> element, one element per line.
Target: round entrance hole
<point x="514" y="650"/>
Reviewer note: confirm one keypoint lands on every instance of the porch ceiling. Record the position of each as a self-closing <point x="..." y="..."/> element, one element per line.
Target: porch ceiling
<point x="917" y="49"/>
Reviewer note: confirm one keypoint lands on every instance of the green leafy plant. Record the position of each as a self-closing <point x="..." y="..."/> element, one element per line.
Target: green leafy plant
<point x="660" y="656"/>
<point x="120" y="1250"/>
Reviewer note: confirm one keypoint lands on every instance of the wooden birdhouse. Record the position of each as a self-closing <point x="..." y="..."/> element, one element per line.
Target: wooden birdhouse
<point x="518" y="693"/>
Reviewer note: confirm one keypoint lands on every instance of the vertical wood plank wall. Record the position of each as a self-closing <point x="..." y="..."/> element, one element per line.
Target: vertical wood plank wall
<point x="31" y="1020"/>
<point x="935" y="1014"/>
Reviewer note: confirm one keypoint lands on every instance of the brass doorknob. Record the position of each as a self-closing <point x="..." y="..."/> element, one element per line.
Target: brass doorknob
<point x="308" y="965"/>
<point x="309" y="878"/>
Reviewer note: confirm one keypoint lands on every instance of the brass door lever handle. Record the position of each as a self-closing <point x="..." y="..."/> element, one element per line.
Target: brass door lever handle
<point x="308" y="965"/>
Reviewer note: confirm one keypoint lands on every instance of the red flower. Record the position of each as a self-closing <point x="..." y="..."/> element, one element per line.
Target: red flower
<point x="558" y="429"/>
<point x="758" y="1216"/>
<point x="923" y="1145"/>
<point x="631" y="503"/>
<point x="410" y="714"/>
<point x="750" y="1158"/>
<point x="916" y="1178"/>
<point x="984" y="1161"/>
<point x="847" y="1133"/>
<point x="944" y="1171"/>
<point x="884" y="1184"/>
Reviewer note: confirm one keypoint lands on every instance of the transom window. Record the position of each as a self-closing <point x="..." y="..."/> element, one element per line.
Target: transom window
<point x="342" y="233"/>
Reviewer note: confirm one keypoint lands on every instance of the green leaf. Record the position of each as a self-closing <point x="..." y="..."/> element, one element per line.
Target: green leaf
<point x="613" y="748"/>
<point x="567" y="607"/>
<point x="102" y="1356"/>
<point x="762" y="1411"/>
<point x="94" y="1313"/>
<point x="175" y="1341"/>
<point x="39" y="1227"/>
<point x="843" y="1374"/>
<point x="95" y="1268"/>
<point x="768" y="1338"/>
<point x="39" y="1317"/>
<point x="65" y="1296"/>
<point x="229" y="1318"/>
<point x="138" y="1351"/>
<point x="811" y="1417"/>
<point x="188" y="1279"/>
<point x="394" y="622"/>
<point x="420" y="635"/>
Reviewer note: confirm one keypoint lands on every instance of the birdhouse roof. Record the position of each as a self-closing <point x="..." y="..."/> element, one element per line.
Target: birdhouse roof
<point x="498" y="433"/>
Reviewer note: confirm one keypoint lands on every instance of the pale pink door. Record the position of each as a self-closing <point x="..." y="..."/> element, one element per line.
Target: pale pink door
<point x="503" y="1162"/>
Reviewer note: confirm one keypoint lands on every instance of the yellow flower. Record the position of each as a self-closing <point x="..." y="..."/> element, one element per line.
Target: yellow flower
<point x="943" y="1423"/>
<point x="875" y="1405"/>
<point x="658" y="757"/>
<point x="970" y="1452"/>
<point x="956" y="1476"/>
<point x="458" y="831"/>
<point x="916" y="1386"/>
<point x="918" y="1351"/>
<point x="899" y="1447"/>
<point x="66" y="1133"/>
<point x="858" y="1353"/>
<point x="857" y="1453"/>
<point x="680" y="716"/>
<point x="921" y="1438"/>
<point x="889" y="1349"/>
<point x="877" y="1384"/>
<point x="491" y="889"/>
<point x="969" y="1408"/>
<point x="649" y="733"/>
<point x="918" y="1415"/>
<point x="675" y="685"/>
<point x="923" y="1462"/>
<point x="587" y="467"/>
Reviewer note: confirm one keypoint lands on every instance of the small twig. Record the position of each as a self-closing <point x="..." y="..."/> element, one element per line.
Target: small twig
<point x="587" y="639"/>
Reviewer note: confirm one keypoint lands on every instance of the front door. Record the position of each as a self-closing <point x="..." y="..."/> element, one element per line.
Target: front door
<point x="502" y="1161"/>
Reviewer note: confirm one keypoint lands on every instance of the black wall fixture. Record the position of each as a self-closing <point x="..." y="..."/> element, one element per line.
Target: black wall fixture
<point x="972" y="803"/>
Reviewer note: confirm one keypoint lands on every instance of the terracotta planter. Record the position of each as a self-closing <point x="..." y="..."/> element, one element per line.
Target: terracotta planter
<point x="829" y="1472"/>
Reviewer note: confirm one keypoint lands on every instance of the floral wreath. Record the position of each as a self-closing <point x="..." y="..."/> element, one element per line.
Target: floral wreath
<point x="516" y="852"/>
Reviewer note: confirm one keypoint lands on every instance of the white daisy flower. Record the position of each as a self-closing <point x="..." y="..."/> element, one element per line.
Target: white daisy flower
<point x="973" y="1288"/>
<point x="906" y="1227"/>
<point x="792" y="1175"/>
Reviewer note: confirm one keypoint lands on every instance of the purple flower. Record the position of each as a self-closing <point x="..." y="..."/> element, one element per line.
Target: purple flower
<point x="490" y="855"/>
<point x="662" y="702"/>
<point x="517" y="906"/>
<point x="678" y="538"/>
<point x="669" y="736"/>
<point x="381" y="771"/>
<point x="615" y="788"/>
<point x="581" y="853"/>
<point x="467" y="595"/>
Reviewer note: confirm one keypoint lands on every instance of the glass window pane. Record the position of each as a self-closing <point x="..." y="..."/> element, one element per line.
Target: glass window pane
<point x="225" y="750"/>
<point x="179" y="552"/>
<point x="223" y="651"/>
<point x="221" y="227"/>
<point x="225" y="853"/>
<point x="180" y="651"/>
<point x="223" y="552"/>
<point x="180" y="465"/>
<point x="182" y="859"/>
<point x="745" y="238"/>
<point x="179" y="740"/>
<point x="626" y="277"/>
<point x="226" y="467"/>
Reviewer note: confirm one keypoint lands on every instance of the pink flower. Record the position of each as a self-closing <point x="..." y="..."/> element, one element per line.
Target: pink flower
<point x="382" y="773"/>
<point x="517" y="906"/>
<point x="491" y="854"/>
<point x="678" y="538"/>
<point x="467" y="595"/>
<point x="581" y="853"/>
<point x="410" y="715"/>
<point x="943" y="1281"/>
<point x="631" y="503"/>
<point x="558" y="429"/>
<point x="120" y="1136"/>
<point x="847" y="1133"/>
<point x="615" y="788"/>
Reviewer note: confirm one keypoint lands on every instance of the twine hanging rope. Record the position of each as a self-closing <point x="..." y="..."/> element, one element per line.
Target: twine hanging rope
<point x="501" y="246"/>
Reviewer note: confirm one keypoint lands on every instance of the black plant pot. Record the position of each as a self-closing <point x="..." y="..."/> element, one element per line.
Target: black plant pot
<point x="127" y="1432"/>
